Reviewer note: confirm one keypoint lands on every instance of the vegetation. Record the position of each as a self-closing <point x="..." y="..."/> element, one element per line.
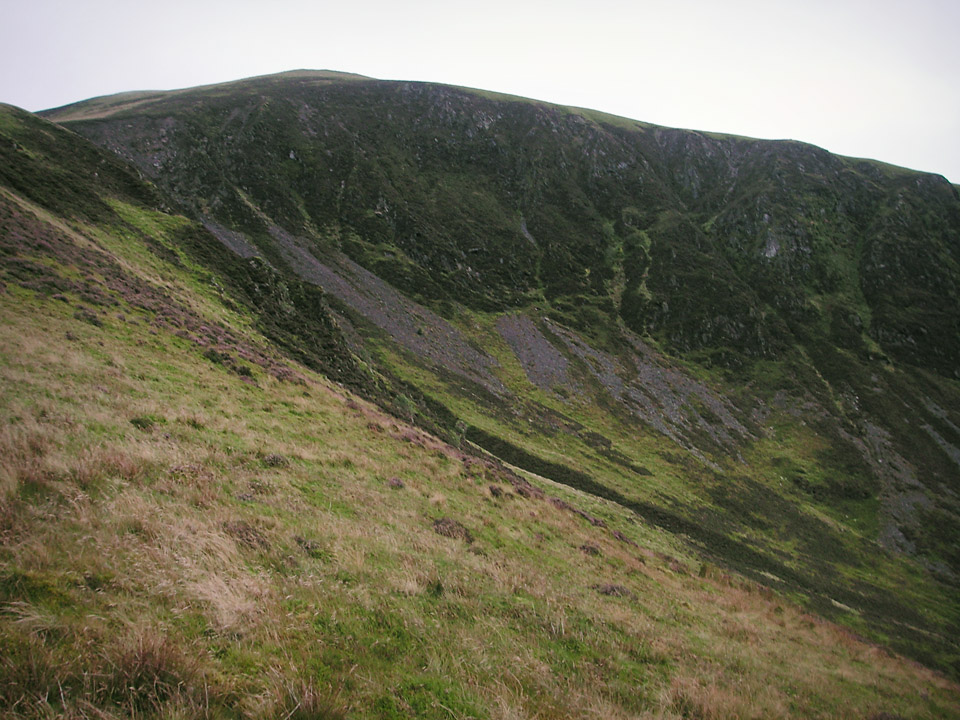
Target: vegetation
<point x="227" y="492"/>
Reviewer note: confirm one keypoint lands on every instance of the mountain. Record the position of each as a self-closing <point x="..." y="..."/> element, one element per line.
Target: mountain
<point x="501" y="202"/>
<point x="333" y="395"/>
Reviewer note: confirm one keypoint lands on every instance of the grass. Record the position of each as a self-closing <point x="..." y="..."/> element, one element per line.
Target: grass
<point x="196" y="521"/>
<point x="794" y="511"/>
<point x="176" y="541"/>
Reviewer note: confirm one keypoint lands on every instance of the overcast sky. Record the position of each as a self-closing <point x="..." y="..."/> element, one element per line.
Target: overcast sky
<point x="867" y="78"/>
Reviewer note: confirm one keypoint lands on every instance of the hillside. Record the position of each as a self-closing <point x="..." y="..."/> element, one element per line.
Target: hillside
<point x="614" y="409"/>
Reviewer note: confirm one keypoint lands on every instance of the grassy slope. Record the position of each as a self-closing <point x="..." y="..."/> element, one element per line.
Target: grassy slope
<point x="183" y="538"/>
<point x="107" y="105"/>
<point x="808" y="507"/>
<point x="778" y="517"/>
<point x="180" y="538"/>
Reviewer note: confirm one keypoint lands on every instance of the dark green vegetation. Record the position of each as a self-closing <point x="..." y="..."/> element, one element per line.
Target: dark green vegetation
<point x="498" y="203"/>
<point x="747" y="352"/>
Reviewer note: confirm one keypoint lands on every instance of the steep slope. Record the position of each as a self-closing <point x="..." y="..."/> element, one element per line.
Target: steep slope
<point x="194" y="523"/>
<point x="496" y="201"/>
<point x="754" y="344"/>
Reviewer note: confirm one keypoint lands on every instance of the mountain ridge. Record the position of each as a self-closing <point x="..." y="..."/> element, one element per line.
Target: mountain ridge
<point x="61" y="112"/>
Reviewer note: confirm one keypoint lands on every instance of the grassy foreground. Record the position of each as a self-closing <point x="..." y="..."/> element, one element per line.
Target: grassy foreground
<point x="187" y="533"/>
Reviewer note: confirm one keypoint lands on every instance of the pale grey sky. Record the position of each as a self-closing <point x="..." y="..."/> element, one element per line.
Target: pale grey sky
<point x="867" y="78"/>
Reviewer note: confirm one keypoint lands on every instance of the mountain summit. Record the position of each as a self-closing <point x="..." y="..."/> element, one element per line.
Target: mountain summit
<point x="452" y="369"/>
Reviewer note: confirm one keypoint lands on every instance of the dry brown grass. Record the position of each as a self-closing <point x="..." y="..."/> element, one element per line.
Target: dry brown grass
<point x="141" y="673"/>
